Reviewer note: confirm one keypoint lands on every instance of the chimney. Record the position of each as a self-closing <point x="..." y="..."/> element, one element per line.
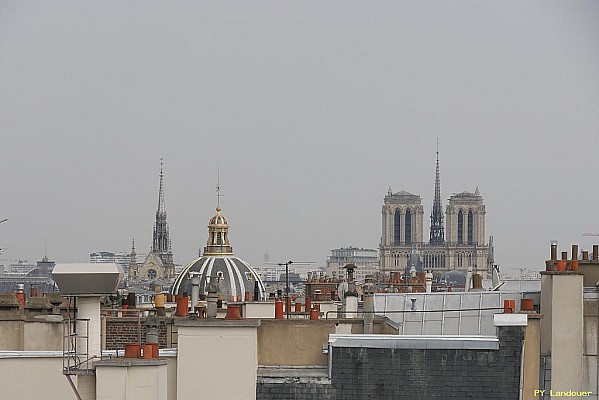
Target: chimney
<point x="574" y="252"/>
<point x="585" y="255"/>
<point x="213" y="288"/>
<point x="195" y="289"/>
<point x="553" y="250"/>
<point x="429" y="282"/>
<point x="233" y="312"/>
<point x="368" y="304"/>
<point x="477" y="282"/>
<point x="152" y="322"/>
<point x="279" y="309"/>
<point x="595" y="252"/>
<point x="21" y="293"/>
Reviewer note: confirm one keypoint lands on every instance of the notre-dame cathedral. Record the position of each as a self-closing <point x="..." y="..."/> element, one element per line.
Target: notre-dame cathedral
<point x="460" y="246"/>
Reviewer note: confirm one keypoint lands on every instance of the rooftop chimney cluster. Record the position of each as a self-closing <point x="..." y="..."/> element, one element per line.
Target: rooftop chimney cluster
<point x="572" y="264"/>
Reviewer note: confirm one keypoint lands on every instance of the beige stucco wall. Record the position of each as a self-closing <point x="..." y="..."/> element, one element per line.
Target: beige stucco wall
<point x="258" y="309"/>
<point x="171" y="380"/>
<point x="566" y="332"/>
<point x="590" y="269"/>
<point x="293" y="342"/>
<point x="11" y="334"/>
<point x="43" y="336"/>
<point x="532" y="357"/>
<point x="17" y="375"/>
<point x="299" y="342"/>
<point x="20" y="333"/>
<point x="136" y="382"/>
<point x="217" y="362"/>
<point x="546" y="305"/>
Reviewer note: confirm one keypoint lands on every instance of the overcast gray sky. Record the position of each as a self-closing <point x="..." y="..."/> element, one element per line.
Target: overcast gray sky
<point x="310" y="109"/>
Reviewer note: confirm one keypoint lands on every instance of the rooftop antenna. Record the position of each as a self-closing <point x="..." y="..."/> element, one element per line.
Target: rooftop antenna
<point x="287" y="264"/>
<point x="1" y="221"/>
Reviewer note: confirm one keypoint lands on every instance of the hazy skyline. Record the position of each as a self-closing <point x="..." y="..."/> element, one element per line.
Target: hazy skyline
<point x="310" y="110"/>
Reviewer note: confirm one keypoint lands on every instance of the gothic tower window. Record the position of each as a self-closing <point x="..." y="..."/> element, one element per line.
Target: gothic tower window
<point x="460" y="227"/>
<point x="408" y="222"/>
<point x="397" y="228"/>
<point x="470" y="227"/>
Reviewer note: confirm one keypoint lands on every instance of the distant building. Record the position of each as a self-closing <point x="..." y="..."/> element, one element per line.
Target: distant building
<point x="21" y="267"/>
<point x="44" y="268"/>
<point x="101" y="257"/>
<point x="365" y="260"/>
<point x="270" y="273"/>
<point x="118" y="257"/>
<point x="459" y="247"/>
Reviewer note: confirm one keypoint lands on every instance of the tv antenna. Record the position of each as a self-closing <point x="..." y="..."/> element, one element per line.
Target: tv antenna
<point x="287" y="264"/>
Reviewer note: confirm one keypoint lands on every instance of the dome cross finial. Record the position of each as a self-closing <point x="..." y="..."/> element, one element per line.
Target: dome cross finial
<point x="218" y="189"/>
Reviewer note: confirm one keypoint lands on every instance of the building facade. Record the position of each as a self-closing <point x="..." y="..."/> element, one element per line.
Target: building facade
<point x="365" y="260"/>
<point x="458" y="245"/>
<point x="118" y="257"/>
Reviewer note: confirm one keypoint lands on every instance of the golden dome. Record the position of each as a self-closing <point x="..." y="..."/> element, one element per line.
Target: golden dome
<point x="218" y="219"/>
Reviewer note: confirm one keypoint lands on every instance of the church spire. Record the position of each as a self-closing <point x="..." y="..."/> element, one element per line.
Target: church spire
<point x="161" y="244"/>
<point x="161" y="206"/>
<point x="437" y="235"/>
<point x="133" y="260"/>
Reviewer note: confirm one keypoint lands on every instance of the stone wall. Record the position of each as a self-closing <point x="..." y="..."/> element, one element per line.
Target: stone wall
<point x="123" y="330"/>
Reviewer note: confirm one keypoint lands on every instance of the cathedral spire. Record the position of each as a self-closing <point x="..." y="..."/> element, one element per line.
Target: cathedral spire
<point x="161" y="206"/>
<point x="133" y="260"/>
<point x="161" y="244"/>
<point x="437" y="235"/>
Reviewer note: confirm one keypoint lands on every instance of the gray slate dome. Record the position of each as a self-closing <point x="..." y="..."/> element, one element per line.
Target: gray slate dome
<point x="236" y="275"/>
